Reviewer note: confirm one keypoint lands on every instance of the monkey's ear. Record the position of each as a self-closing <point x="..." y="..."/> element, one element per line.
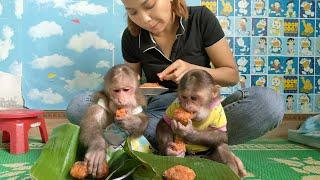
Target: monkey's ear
<point x="138" y="77"/>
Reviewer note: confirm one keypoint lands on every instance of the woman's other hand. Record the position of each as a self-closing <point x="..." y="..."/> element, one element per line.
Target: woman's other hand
<point x="176" y="70"/>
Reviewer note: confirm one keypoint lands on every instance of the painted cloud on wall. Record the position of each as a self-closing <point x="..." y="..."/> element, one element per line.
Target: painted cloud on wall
<point x="6" y="43"/>
<point x="1" y="9"/>
<point x="19" y="8"/>
<point x="54" y="60"/>
<point x="73" y="8"/>
<point x="45" y="29"/>
<point x="83" y="81"/>
<point x="85" y="40"/>
<point x="103" y="64"/>
<point x="47" y="96"/>
<point x="16" y="68"/>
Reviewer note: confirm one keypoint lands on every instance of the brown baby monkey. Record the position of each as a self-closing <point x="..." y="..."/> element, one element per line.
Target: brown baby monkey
<point x="204" y="131"/>
<point x="119" y="102"/>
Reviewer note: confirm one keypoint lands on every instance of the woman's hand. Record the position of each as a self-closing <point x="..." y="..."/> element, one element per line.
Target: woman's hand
<point x="176" y="70"/>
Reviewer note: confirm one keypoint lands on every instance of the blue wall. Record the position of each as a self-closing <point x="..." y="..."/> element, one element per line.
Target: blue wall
<point x="65" y="48"/>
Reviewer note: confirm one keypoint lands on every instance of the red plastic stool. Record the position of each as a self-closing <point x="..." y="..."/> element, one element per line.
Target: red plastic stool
<point x="15" y="125"/>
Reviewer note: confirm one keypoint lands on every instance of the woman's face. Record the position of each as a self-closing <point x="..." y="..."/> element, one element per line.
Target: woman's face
<point x="151" y="15"/>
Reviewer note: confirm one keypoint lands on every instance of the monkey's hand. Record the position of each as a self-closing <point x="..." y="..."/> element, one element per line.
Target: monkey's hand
<point x="135" y="124"/>
<point x="182" y="130"/>
<point x="94" y="158"/>
<point x="171" y="152"/>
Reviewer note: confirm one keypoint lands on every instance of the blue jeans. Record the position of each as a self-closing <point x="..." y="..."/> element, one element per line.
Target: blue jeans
<point x="250" y="113"/>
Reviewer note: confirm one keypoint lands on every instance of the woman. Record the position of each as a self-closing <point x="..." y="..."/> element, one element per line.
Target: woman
<point x="166" y="39"/>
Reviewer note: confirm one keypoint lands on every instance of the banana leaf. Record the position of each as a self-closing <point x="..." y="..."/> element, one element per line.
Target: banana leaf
<point x="155" y="165"/>
<point x="58" y="155"/>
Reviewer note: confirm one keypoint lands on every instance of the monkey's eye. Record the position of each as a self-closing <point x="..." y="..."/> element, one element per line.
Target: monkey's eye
<point x="193" y="98"/>
<point x="184" y="97"/>
<point x="116" y="90"/>
<point x="126" y="89"/>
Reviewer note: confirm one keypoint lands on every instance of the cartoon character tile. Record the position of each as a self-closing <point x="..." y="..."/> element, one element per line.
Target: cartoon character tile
<point x="259" y="26"/>
<point x="276" y="83"/>
<point x="318" y="8"/>
<point x="244" y="82"/>
<point x="242" y="45"/>
<point x="210" y="4"/>
<point x="291" y="9"/>
<point x="317" y="85"/>
<point x="259" y="65"/>
<point x="290" y="46"/>
<point x="227" y="90"/>
<point x="276" y="65"/>
<point x="291" y="66"/>
<point x="226" y="7"/>
<point x="306" y="84"/>
<point x="307" y="27"/>
<point x="276" y="8"/>
<point x="230" y="41"/>
<point x="243" y="8"/>
<point x="290" y="84"/>
<point x="259" y="80"/>
<point x="307" y="9"/>
<point x="317" y="66"/>
<point x="306" y="65"/>
<point x="243" y="63"/>
<point x="316" y="103"/>
<point x="291" y="27"/>
<point x="318" y="26"/>
<point x="276" y="45"/>
<point x="259" y="8"/>
<point x="306" y="46"/>
<point x="243" y="26"/>
<point x="317" y="50"/>
<point x="227" y="25"/>
<point x="259" y="45"/>
<point x="291" y="103"/>
<point x="305" y="103"/>
<point x="275" y="26"/>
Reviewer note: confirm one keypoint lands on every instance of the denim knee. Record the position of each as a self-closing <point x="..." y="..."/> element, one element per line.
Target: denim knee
<point x="273" y="104"/>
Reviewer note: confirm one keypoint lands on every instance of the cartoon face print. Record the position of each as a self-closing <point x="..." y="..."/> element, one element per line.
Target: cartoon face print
<point x="317" y="66"/>
<point x="290" y="103"/>
<point x="258" y="64"/>
<point x="275" y="45"/>
<point x="243" y="64"/>
<point x="306" y="47"/>
<point x="307" y="27"/>
<point x="291" y="9"/>
<point x="307" y="9"/>
<point x="275" y="66"/>
<point x="317" y="103"/>
<point x="242" y="46"/>
<point x="243" y="26"/>
<point x="226" y="8"/>
<point x="317" y="84"/>
<point x="305" y="104"/>
<point x="211" y="5"/>
<point x="306" y="65"/>
<point x="276" y="83"/>
<point x="317" y="46"/>
<point x="259" y="26"/>
<point x="306" y="84"/>
<point x="276" y="27"/>
<point x="276" y="8"/>
<point x="292" y="46"/>
<point x="290" y="84"/>
<point x="226" y="25"/>
<point x="259" y="8"/>
<point x="259" y="45"/>
<point x="291" y="66"/>
<point x="291" y="27"/>
<point x="259" y="80"/>
<point x="244" y="82"/>
<point x="243" y="8"/>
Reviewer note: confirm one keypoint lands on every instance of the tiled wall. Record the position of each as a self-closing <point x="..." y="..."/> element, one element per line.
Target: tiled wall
<point x="277" y="45"/>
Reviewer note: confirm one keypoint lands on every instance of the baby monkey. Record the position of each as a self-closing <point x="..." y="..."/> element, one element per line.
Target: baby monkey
<point x="120" y="94"/>
<point x="204" y="132"/>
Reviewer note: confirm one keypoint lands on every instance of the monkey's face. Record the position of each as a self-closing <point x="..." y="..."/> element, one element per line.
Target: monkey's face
<point x="123" y="93"/>
<point x="196" y="102"/>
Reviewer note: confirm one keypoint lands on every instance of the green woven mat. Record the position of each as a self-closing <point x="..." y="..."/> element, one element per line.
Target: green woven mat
<point x="18" y="166"/>
<point x="278" y="159"/>
<point x="264" y="159"/>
